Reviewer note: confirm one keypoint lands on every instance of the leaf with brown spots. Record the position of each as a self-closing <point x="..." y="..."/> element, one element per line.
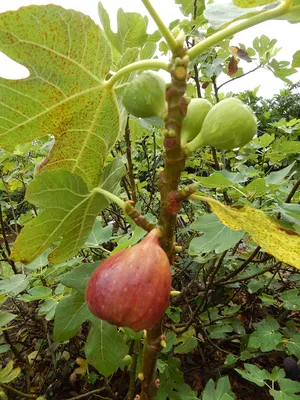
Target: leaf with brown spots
<point x="281" y="243"/>
<point x="68" y="59"/>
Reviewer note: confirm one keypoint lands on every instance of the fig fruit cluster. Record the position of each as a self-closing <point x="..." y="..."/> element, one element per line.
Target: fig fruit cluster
<point x="144" y="97"/>
<point x="132" y="287"/>
<point x="227" y="125"/>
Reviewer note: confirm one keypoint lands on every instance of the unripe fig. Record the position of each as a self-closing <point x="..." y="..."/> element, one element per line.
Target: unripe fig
<point x="127" y="360"/>
<point x="193" y="121"/>
<point x="132" y="287"/>
<point x="144" y="97"/>
<point x="229" y="124"/>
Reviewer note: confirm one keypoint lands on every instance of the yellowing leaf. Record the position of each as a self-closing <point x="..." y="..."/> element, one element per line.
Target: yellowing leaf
<point x="81" y="370"/>
<point x="9" y="373"/>
<point x="282" y="243"/>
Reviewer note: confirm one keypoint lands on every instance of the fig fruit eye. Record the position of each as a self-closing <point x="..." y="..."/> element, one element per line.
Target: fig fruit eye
<point x="192" y="124"/>
<point x="132" y="287"/>
<point x="228" y="125"/>
<point x="144" y="97"/>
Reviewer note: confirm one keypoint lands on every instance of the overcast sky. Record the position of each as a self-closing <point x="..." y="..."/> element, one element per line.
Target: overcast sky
<point x="285" y="33"/>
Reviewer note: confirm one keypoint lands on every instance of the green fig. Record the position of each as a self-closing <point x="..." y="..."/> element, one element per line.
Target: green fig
<point x="193" y="121"/>
<point x="144" y="97"/>
<point x="228" y="125"/>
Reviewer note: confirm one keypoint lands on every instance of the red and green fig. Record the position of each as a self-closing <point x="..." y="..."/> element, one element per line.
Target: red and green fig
<point x="132" y="287"/>
<point x="193" y="121"/>
<point x="228" y="125"/>
<point x="144" y="97"/>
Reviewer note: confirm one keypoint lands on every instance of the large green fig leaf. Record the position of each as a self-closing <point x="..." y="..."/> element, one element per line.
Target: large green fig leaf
<point x="68" y="211"/>
<point x="131" y="29"/>
<point x="68" y="59"/>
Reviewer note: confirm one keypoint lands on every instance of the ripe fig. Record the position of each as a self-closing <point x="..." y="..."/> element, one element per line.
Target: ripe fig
<point x="229" y="124"/>
<point x="144" y="97"/>
<point x="132" y="287"/>
<point x="193" y="121"/>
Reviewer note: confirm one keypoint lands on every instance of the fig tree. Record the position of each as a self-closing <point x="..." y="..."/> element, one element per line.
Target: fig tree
<point x="193" y="121"/>
<point x="132" y="287"/>
<point x="144" y="97"/>
<point x="228" y="125"/>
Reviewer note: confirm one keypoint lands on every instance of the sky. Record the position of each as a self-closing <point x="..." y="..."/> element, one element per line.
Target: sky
<point x="284" y="32"/>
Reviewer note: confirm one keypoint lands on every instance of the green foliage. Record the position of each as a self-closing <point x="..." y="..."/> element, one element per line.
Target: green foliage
<point x="216" y="235"/>
<point x="70" y="101"/>
<point x="220" y="391"/>
<point x="105" y="347"/>
<point x="265" y="336"/>
<point x="62" y="141"/>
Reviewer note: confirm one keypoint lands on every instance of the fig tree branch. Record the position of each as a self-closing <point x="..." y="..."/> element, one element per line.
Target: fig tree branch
<point x="292" y="192"/>
<point x="18" y="392"/>
<point x="208" y="286"/>
<point x="128" y="208"/>
<point x="240" y="76"/>
<point x="247" y="278"/>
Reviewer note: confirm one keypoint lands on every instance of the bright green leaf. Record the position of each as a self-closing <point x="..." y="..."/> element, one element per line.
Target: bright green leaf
<point x="78" y="277"/>
<point x="254" y="374"/>
<point x="187" y="342"/>
<point x="71" y="313"/>
<point x="265" y="336"/>
<point x="6" y="318"/>
<point x="99" y="234"/>
<point x="289" y="390"/>
<point x="69" y="211"/>
<point x="105" y="347"/>
<point x="294" y="345"/>
<point x="217" y="236"/>
<point x="217" y="391"/>
<point x="131" y="29"/>
<point x="296" y="59"/>
<point x="219" y="331"/>
<point x="14" y="285"/>
<point x="291" y="299"/>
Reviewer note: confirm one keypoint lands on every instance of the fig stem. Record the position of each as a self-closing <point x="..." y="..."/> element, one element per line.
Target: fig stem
<point x="284" y="7"/>
<point x="111" y="197"/>
<point x="138" y="65"/>
<point x="203" y="198"/>
<point x="128" y="209"/>
<point x="194" y="145"/>
<point x="161" y="26"/>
